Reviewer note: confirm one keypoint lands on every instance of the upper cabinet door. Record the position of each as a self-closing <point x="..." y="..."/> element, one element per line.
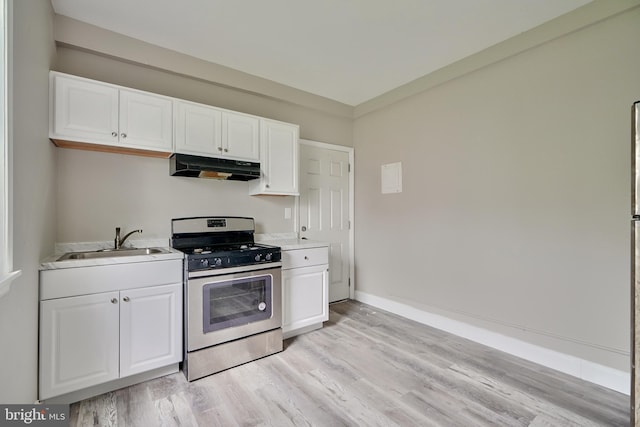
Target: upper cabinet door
<point x="83" y="110"/>
<point x="278" y="159"/>
<point x="198" y="129"/>
<point x="240" y="136"/>
<point x="146" y="121"/>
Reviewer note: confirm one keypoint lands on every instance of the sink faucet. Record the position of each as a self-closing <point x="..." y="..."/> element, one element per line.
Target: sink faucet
<point x="118" y="241"/>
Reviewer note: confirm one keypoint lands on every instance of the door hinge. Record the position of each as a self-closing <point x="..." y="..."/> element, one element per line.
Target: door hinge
<point x="349" y="224"/>
<point x="348" y="167"/>
<point x="349" y="281"/>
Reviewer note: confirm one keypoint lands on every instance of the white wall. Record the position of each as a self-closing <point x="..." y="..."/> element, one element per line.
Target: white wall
<point x="97" y="192"/>
<point x="34" y="203"/>
<point x="515" y="209"/>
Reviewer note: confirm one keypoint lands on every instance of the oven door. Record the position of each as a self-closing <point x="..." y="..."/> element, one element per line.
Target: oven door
<point x="233" y="304"/>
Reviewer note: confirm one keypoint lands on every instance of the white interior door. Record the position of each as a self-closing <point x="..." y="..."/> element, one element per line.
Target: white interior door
<point x="324" y="208"/>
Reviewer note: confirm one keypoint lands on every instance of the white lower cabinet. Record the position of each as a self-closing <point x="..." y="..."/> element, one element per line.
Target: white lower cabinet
<point x="150" y="328"/>
<point x="78" y="342"/>
<point x="305" y="290"/>
<point x="92" y="339"/>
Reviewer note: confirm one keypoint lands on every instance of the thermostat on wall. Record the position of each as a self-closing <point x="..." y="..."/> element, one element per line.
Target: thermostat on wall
<point x="391" y="174"/>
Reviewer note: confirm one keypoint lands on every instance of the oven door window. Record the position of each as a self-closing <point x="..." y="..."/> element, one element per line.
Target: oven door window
<point x="236" y="302"/>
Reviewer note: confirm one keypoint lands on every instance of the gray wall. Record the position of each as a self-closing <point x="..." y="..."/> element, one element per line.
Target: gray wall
<point x="34" y="197"/>
<point x="515" y="209"/>
<point x="97" y="192"/>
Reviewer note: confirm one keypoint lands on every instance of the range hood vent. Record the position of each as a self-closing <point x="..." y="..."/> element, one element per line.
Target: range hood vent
<point x="210" y="167"/>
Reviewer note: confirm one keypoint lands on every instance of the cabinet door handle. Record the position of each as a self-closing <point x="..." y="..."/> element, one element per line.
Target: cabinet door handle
<point x="125" y="299"/>
<point x="114" y="134"/>
<point x="114" y="301"/>
<point x="124" y="135"/>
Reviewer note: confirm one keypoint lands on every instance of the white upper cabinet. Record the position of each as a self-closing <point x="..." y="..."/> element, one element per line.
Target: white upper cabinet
<point x="103" y="117"/>
<point x="278" y="159"/>
<point x="145" y="121"/>
<point x="83" y="110"/>
<point x="198" y="129"/>
<point x="209" y="131"/>
<point x="240" y="136"/>
<point x="113" y="118"/>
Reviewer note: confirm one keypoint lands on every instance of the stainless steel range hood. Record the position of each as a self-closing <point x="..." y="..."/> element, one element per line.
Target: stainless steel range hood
<point x="210" y="167"/>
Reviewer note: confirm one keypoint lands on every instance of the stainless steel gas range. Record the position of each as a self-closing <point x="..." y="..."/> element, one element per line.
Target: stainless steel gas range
<point x="233" y="294"/>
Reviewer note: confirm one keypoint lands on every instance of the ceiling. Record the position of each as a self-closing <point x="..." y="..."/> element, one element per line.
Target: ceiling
<point x="346" y="50"/>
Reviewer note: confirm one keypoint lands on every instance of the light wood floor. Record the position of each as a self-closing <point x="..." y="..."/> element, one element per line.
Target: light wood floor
<point x="366" y="367"/>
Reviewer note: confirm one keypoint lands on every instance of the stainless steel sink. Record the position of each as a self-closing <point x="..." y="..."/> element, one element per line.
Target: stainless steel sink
<point x="111" y="253"/>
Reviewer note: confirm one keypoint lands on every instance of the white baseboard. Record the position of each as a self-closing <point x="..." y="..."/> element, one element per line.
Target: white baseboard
<point x="605" y="376"/>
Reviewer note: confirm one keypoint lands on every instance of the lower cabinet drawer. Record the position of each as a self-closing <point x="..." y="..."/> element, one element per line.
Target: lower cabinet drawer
<point x="304" y="257"/>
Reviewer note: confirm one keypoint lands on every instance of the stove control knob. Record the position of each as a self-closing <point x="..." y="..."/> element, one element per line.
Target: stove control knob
<point x="257" y="258"/>
<point x="204" y="262"/>
<point x="268" y="256"/>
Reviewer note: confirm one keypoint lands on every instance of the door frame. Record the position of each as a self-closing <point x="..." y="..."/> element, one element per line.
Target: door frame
<point x="350" y="151"/>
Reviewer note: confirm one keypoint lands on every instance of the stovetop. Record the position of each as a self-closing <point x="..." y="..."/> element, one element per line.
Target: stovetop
<point x="230" y="256"/>
<point x="205" y="250"/>
<point x="220" y="242"/>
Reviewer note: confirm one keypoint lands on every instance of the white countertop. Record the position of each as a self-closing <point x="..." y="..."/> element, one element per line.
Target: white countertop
<point x="295" y="243"/>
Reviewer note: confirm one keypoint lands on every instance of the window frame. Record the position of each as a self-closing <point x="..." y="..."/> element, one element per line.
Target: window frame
<point x="7" y="275"/>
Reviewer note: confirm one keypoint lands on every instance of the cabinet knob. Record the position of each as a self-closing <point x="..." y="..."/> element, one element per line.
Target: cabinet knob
<point x="267" y="186"/>
<point x="114" y="134"/>
<point x="125" y="299"/>
<point x="124" y="135"/>
<point x="219" y="148"/>
<point x="114" y="301"/>
<point x="306" y="257"/>
<point x="226" y="150"/>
